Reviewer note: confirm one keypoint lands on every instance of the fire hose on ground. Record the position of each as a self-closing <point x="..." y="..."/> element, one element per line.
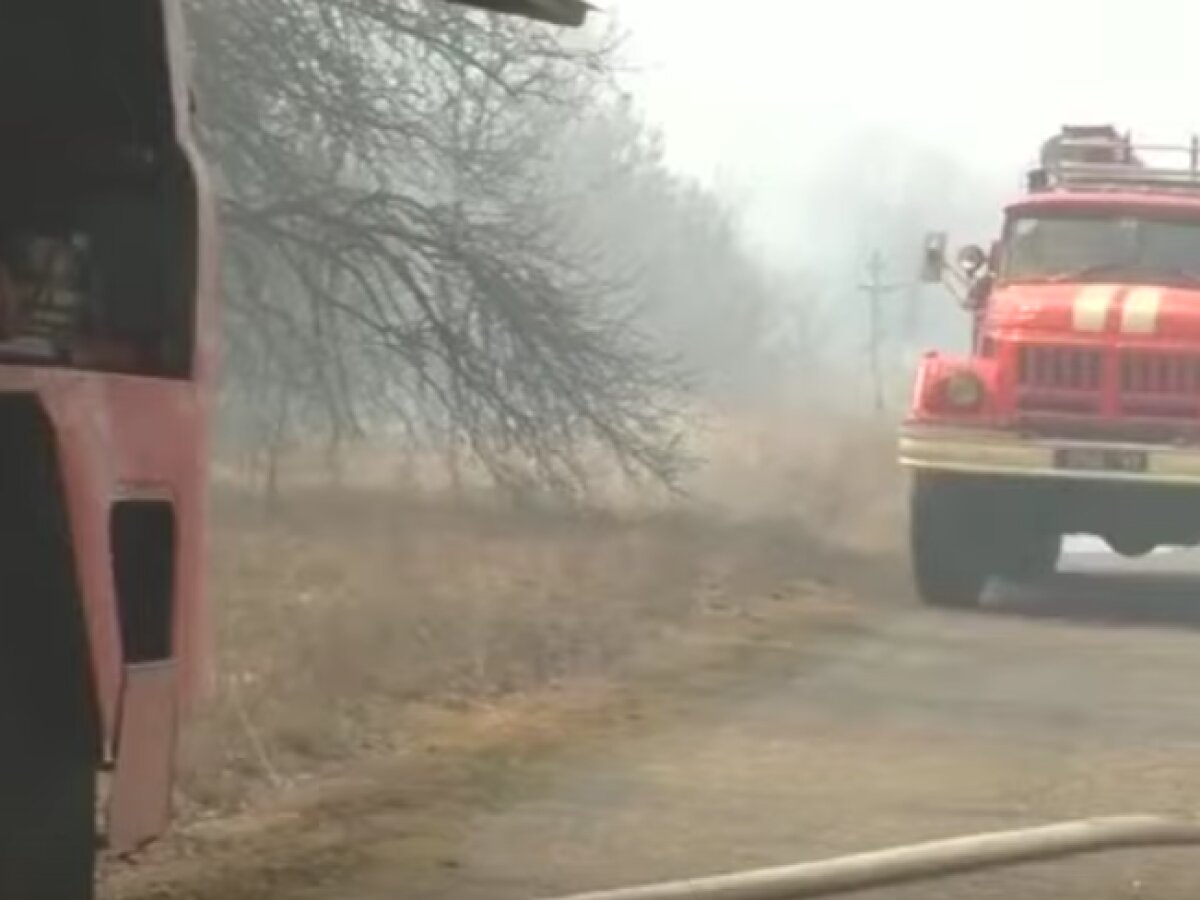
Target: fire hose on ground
<point x="926" y="861"/>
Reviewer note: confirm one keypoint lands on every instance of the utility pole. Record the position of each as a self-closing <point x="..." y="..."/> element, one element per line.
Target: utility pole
<point x="876" y="289"/>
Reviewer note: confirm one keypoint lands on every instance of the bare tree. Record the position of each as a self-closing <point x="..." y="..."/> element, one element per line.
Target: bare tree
<point x="702" y="291"/>
<point x="393" y="247"/>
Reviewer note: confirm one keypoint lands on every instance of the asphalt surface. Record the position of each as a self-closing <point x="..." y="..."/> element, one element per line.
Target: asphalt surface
<point x="1073" y="698"/>
<point x="1078" y="697"/>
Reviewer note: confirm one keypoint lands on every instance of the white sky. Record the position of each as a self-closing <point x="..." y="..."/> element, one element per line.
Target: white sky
<point x="752" y="93"/>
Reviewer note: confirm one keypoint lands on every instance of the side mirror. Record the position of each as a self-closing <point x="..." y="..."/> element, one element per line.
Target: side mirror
<point x="933" y="262"/>
<point x="971" y="259"/>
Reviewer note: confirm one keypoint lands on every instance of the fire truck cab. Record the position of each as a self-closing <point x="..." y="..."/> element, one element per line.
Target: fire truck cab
<point x="108" y="333"/>
<point x="1077" y="409"/>
<point x="107" y="289"/>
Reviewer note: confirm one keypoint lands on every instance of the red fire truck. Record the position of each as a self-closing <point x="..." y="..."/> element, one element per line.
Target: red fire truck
<point x="108" y="332"/>
<point x="1077" y="409"/>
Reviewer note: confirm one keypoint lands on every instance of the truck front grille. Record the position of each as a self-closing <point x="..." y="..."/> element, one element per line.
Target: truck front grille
<point x="1160" y="373"/>
<point x="1041" y="367"/>
<point x="1159" y="384"/>
<point x="1148" y="384"/>
<point x="1059" y="379"/>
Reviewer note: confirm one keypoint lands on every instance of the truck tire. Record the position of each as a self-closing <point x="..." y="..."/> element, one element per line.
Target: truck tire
<point x="1131" y="547"/>
<point x="1029" y="556"/>
<point x="47" y="827"/>
<point x="49" y="744"/>
<point x="48" y="754"/>
<point x="950" y="568"/>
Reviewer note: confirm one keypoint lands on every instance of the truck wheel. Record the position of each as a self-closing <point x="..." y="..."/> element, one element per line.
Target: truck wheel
<point x="47" y="828"/>
<point x="1029" y="556"/>
<point x="948" y="559"/>
<point x="49" y="744"/>
<point x="47" y="755"/>
<point x="1131" y="547"/>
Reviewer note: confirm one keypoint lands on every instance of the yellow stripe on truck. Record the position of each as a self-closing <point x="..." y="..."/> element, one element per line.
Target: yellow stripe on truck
<point x="1140" y="312"/>
<point x="1090" y="309"/>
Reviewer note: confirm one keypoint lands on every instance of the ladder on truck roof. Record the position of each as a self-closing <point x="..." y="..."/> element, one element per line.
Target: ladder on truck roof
<point x="1097" y="158"/>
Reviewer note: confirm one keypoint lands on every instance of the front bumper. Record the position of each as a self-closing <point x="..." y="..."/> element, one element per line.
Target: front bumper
<point x="988" y="452"/>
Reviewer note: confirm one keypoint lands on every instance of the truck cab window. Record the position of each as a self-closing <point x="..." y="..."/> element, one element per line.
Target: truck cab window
<point x="1116" y="247"/>
<point x="96" y="205"/>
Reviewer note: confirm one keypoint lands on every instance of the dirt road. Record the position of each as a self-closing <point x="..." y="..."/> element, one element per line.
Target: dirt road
<point x="1080" y="698"/>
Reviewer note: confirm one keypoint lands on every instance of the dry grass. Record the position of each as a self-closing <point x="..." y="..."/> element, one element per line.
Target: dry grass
<point x="838" y="476"/>
<point x="836" y="473"/>
<point x="346" y="606"/>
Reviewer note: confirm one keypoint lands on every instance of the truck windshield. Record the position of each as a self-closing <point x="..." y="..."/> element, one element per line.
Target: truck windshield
<point x="1105" y="247"/>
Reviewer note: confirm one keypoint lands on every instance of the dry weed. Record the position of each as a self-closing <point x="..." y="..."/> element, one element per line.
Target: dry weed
<point x="343" y="606"/>
<point x="839" y="476"/>
<point x="346" y="606"/>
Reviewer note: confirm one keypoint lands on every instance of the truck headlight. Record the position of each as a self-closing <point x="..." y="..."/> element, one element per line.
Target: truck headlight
<point x="963" y="391"/>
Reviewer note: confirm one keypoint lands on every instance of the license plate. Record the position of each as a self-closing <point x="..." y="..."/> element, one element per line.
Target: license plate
<point x="1101" y="459"/>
